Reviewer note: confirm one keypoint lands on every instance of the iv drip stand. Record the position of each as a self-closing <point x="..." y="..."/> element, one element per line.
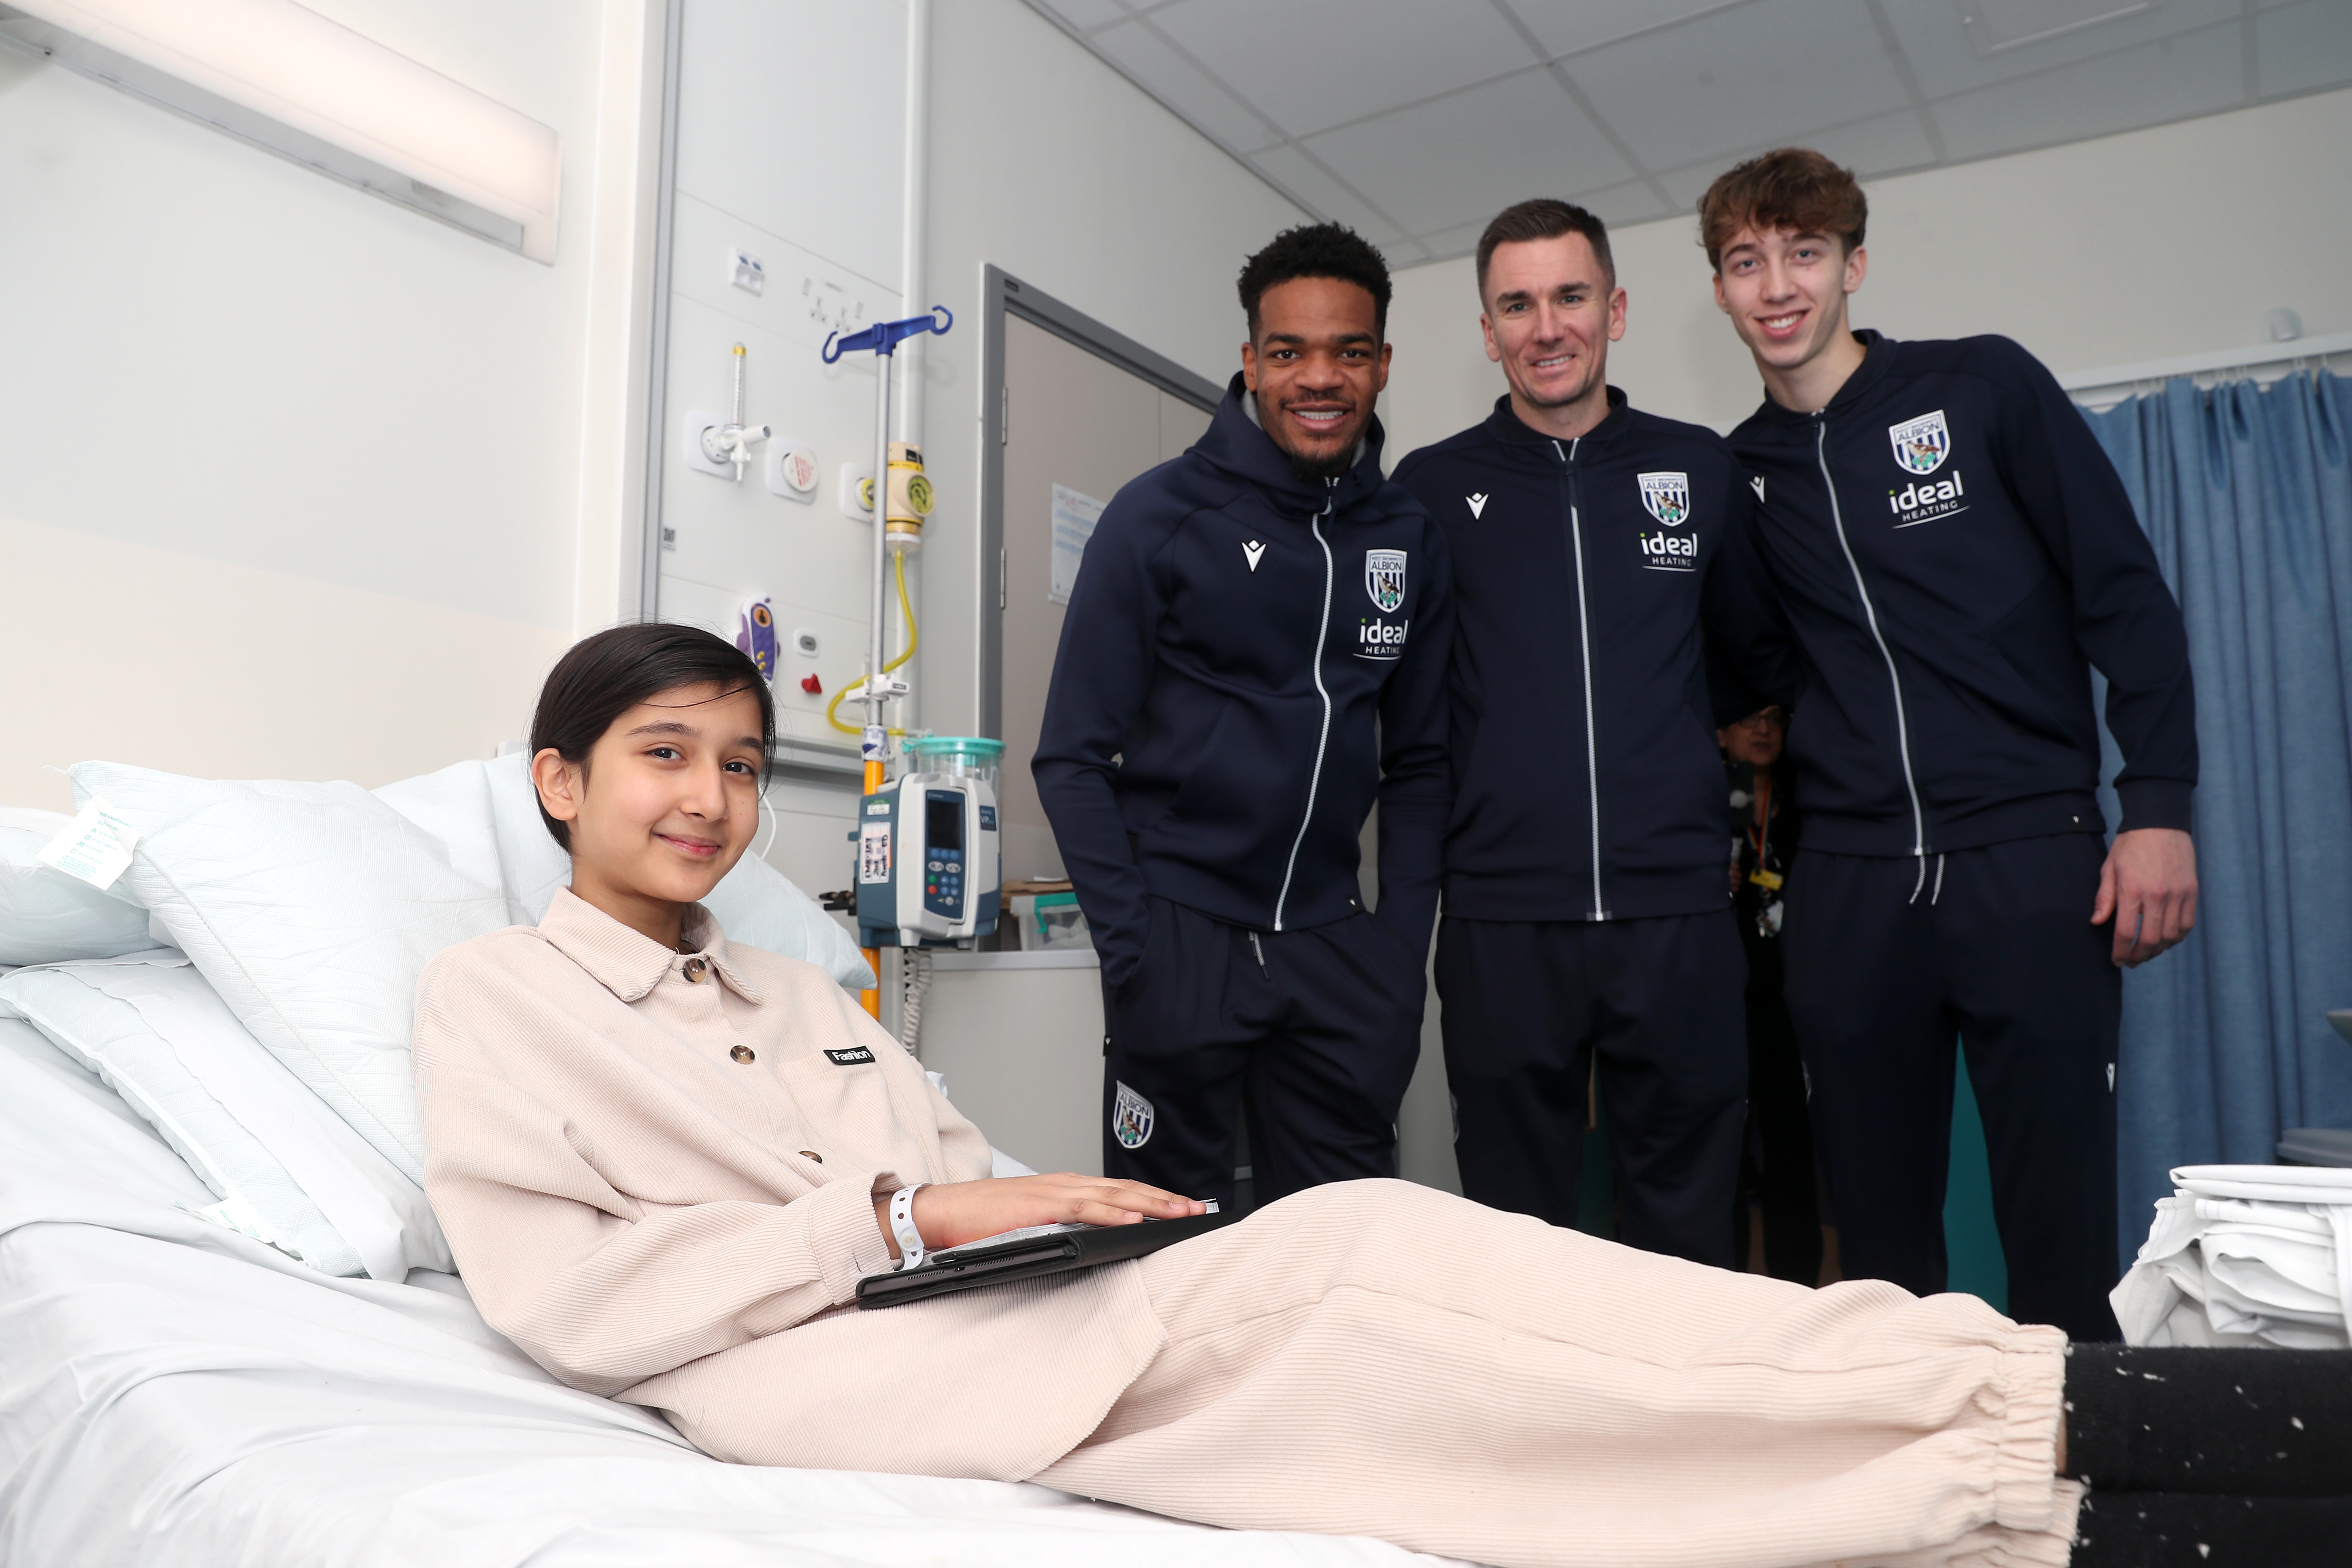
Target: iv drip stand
<point x="883" y="337"/>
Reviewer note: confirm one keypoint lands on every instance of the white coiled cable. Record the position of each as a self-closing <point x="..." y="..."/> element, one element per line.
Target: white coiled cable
<point x="915" y="978"/>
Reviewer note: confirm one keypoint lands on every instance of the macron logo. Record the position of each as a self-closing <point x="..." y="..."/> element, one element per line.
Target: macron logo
<point x="1254" y="549"/>
<point x="1477" y="506"/>
<point x="1756" y="485"/>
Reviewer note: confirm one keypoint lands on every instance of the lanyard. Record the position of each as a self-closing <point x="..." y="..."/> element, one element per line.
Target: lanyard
<point x="1756" y="833"/>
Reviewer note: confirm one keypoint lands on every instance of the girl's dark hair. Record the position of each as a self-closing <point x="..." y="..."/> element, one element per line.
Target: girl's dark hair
<point x="604" y="676"/>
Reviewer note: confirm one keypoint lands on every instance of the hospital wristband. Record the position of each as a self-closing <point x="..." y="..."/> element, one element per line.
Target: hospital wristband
<point x="902" y="1225"/>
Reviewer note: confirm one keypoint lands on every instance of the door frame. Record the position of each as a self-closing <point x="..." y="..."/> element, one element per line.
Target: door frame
<point x="1002" y="294"/>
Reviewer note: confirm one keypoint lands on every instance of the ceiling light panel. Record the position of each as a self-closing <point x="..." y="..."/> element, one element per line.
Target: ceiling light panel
<point x="287" y="80"/>
<point x="1997" y="25"/>
<point x="1464" y="157"/>
<point x="1945" y="56"/>
<point x="1313" y="64"/>
<point x="2171" y="79"/>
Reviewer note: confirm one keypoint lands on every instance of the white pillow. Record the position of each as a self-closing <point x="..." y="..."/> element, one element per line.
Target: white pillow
<point x="47" y="915"/>
<point x="486" y="814"/>
<point x="288" y="1170"/>
<point x="312" y="908"/>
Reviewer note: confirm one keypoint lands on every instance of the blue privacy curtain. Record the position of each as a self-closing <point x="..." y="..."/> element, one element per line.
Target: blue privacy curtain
<point x="2246" y="495"/>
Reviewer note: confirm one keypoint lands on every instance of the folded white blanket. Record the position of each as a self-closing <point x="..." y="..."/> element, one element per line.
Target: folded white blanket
<point x="2245" y="1254"/>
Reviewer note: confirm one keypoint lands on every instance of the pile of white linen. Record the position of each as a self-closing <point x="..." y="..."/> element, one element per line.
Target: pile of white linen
<point x="2245" y="1254"/>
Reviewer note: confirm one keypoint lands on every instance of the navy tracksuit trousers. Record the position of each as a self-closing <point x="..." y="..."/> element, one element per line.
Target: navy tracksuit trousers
<point x="1890" y="961"/>
<point x="1313" y="1035"/>
<point x="1660" y="1001"/>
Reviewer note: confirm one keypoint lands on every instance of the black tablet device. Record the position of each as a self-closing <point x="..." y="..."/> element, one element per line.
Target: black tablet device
<point x="1026" y="1254"/>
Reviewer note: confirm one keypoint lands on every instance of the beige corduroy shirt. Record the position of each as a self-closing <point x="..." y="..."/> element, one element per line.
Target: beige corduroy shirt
<point x="658" y="1171"/>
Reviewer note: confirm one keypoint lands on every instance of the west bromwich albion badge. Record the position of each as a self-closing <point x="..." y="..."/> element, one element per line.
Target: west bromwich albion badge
<point x="1130" y="1119"/>
<point x="1384" y="578"/>
<point x="1667" y="497"/>
<point x="1922" y="444"/>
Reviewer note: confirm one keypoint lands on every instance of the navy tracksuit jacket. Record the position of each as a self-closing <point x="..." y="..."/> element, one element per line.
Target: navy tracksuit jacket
<point x="1953" y="552"/>
<point x="1595" y="578"/>
<point x="1248" y="661"/>
<point x="1587" y="904"/>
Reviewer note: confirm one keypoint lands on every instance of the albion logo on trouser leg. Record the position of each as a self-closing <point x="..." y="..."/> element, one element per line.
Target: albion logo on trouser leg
<point x="1130" y="1119"/>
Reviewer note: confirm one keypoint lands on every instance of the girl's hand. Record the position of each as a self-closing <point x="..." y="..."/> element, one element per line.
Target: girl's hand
<point x="954" y="1213"/>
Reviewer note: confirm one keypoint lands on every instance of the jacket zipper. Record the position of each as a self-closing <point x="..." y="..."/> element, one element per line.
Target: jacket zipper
<point x="1323" y="737"/>
<point x="1870" y="615"/>
<point x="1584" y="645"/>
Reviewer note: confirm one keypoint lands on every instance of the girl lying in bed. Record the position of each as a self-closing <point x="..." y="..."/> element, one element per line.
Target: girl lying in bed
<point x="663" y="1162"/>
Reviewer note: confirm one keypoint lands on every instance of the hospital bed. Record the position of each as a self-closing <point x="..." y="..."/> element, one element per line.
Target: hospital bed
<point x="174" y="1390"/>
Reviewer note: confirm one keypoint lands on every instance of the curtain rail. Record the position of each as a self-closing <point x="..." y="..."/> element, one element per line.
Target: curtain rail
<point x="2123" y="379"/>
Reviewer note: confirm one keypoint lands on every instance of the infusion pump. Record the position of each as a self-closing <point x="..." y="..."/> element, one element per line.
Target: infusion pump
<point x="927" y="862"/>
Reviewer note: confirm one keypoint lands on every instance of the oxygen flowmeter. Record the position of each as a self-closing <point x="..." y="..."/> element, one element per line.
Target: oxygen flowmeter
<point x="928" y="865"/>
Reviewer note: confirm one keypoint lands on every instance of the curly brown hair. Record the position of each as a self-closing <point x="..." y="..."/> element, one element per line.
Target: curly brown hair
<point x="1793" y="189"/>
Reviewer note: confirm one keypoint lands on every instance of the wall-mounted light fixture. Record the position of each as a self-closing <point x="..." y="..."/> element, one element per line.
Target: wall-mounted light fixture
<point x="289" y="80"/>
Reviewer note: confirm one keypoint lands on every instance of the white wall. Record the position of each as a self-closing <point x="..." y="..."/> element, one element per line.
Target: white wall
<point x="293" y="482"/>
<point x="1045" y="162"/>
<point x="1053" y="167"/>
<point x="2170" y="241"/>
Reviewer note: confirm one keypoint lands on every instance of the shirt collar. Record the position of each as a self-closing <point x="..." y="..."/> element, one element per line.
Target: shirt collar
<point x="628" y="962"/>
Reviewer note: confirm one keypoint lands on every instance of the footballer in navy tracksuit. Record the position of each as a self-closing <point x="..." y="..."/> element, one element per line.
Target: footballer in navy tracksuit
<point x="1586" y="910"/>
<point x="1953" y="552"/>
<point x="1250" y="659"/>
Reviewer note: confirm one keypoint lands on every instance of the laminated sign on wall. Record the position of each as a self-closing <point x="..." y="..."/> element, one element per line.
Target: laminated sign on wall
<point x="1075" y="516"/>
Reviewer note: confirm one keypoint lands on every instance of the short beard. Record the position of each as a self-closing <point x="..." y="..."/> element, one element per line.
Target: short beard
<point x="1320" y="470"/>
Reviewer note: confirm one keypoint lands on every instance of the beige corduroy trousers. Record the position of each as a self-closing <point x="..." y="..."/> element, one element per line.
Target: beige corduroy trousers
<point x="1376" y="1358"/>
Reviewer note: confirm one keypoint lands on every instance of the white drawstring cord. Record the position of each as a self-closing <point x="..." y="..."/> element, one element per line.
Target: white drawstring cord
<point x="1940" y="883"/>
<point x="1921" y="885"/>
<point x="773" y="820"/>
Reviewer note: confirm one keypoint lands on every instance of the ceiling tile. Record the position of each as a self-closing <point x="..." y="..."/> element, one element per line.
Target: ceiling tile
<point x="1465" y="157"/>
<point x="1308" y="64"/>
<point x="1564" y="27"/>
<point x="2304" y="48"/>
<point x="1754" y="75"/>
<point x="1168" y="77"/>
<point x="1085" y="14"/>
<point x="1632" y="202"/>
<point x="1618" y="207"/>
<point x="2172" y="79"/>
<point x="1295" y="172"/>
<point x="1883" y="145"/>
<point x="1934" y="36"/>
<point x="1460" y="240"/>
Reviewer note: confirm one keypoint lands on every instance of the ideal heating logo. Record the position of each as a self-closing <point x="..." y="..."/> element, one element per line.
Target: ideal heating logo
<point x="1381" y="639"/>
<point x="1926" y="501"/>
<point x="1663" y="552"/>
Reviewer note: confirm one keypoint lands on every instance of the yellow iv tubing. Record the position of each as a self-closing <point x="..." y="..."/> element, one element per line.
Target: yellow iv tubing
<point x="906" y="608"/>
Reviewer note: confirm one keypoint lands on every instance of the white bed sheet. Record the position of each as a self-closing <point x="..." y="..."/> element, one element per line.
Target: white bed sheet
<point x="172" y="1392"/>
